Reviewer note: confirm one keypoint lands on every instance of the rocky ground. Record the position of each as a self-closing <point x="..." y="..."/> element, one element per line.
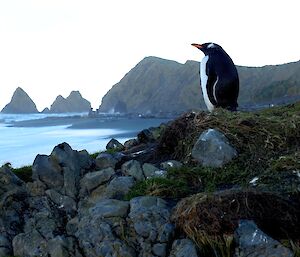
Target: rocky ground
<point x="221" y="184"/>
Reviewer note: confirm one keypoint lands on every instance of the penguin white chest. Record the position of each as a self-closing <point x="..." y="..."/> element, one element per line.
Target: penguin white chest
<point x="204" y="79"/>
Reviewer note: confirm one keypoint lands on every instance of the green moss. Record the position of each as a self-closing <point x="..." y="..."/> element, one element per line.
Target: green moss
<point x="24" y="173"/>
<point x="162" y="187"/>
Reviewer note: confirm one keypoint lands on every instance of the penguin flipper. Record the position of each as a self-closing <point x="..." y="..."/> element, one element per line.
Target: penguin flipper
<point x="211" y="87"/>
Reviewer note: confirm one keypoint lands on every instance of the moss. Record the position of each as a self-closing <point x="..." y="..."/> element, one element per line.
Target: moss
<point x="162" y="187"/>
<point x="24" y="173"/>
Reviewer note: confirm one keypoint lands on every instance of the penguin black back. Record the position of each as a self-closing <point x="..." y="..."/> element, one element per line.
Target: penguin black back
<point x="219" y="77"/>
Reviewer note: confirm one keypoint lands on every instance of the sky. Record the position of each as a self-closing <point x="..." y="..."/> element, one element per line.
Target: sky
<point x="51" y="47"/>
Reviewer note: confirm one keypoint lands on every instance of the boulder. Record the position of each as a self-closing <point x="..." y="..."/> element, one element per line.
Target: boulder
<point x="145" y="136"/>
<point x="212" y="149"/>
<point x="183" y="248"/>
<point x="48" y="171"/>
<point x="92" y="180"/>
<point x="150" y="220"/>
<point x="114" y="144"/>
<point x="151" y="171"/>
<point x="130" y="143"/>
<point x="252" y="242"/>
<point x="117" y="188"/>
<point x="105" y="160"/>
<point x="133" y="168"/>
<point x="13" y="201"/>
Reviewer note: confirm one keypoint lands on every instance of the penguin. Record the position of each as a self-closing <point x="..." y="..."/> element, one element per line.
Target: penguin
<point x="219" y="78"/>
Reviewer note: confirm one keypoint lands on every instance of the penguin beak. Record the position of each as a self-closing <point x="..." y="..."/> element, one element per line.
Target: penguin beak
<point x="197" y="45"/>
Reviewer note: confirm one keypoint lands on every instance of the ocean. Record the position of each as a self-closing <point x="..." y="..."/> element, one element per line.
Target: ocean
<point x="20" y="144"/>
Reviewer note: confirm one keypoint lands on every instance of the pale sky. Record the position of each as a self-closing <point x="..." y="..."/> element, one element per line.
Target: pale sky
<point x="51" y="47"/>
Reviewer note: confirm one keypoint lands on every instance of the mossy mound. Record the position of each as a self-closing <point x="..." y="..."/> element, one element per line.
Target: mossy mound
<point x="218" y="214"/>
<point x="267" y="142"/>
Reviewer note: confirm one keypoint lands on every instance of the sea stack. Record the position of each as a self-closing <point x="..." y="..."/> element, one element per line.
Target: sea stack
<point x="20" y="103"/>
<point x="73" y="103"/>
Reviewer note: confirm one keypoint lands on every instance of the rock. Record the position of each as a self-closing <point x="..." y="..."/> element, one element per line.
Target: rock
<point x="20" y="103"/>
<point x="62" y="170"/>
<point x="110" y="208"/>
<point x="13" y="201"/>
<point x="133" y="168"/>
<point x="73" y="103"/>
<point x="160" y="249"/>
<point x="252" y="242"/>
<point x="150" y="171"/>
<point x="63" y="202"/>
<point x="130" y="143"/>
<point x="36" y="188"/>
<point x="170" y="164"/>
<point x="95" y="235"/>
<point x="145" y="136"/>
<point x="212" y="149"/>
<point x="114" y="144"/>
<point x="5" y="246"/>
<point x="92" y="180"/>
<point x="183" y="248"/>
<point x="105" y="160"/>
<point x="30" y="245"/>
<point x="48" y="171"/>
<point x="46" y="110"/>
<point x="150" y="219"/>
<point x="119" y="187"/>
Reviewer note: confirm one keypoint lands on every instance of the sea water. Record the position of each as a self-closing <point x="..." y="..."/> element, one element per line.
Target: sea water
<point x="20" y="145"/>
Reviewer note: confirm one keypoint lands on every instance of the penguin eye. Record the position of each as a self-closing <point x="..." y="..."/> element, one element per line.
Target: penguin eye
<point x="211" y="45"/>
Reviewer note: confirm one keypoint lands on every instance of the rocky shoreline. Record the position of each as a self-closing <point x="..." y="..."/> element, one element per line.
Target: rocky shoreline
<point x="188" y="188"/>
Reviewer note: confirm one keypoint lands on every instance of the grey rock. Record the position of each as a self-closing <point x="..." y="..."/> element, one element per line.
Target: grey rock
<point x="160" y="249"/>
<point x="145" y="136"/>
<point x="212" y="149"/>
<point x="151" y="219"/>
<point x="183" y="248"/>
<point x="116" y="247"/>
<point x="48" y="171"/>
<point x="72" y="226"/>
<point x="63" y="202"/>
<point x="36" y="188"/>
<point x="110" y="208"/>
<point x="252" y="242"/>
<point x="119" y="187"/>
<point x="30" y="245"/>
<point x="150" y="171"/>
<point x="5" y="246"/>
<point x="13" y="201"/>
<point x="44" y="223"/>
<point x="105" y="160"/>
<point x="114" y="144"/>
<point x="133" y="168"/>
<point x="170" y="164"/>
<point x="130" y="143"/>
<point x="62" y="246"/>
<point x="92" y="180"/>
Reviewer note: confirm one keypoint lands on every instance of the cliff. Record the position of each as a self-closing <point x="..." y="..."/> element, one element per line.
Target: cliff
<point x="158" y="85"/>
<point x="20" y="103"/>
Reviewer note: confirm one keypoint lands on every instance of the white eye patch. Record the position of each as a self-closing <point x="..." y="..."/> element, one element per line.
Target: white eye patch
<point x="211" y="45"/>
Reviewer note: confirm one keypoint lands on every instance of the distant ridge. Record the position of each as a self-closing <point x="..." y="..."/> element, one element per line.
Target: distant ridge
<point x="158" y="85"/>
<point x="73" y="103"/>
<point x="20" y="103"/>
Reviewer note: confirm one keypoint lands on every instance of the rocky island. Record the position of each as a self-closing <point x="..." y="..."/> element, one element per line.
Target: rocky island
<point x="220" y="184"/>
<point x="20" y="103"/>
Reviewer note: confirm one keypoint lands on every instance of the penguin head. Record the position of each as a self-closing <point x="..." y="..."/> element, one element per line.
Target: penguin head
<point x="208" y="48"/>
